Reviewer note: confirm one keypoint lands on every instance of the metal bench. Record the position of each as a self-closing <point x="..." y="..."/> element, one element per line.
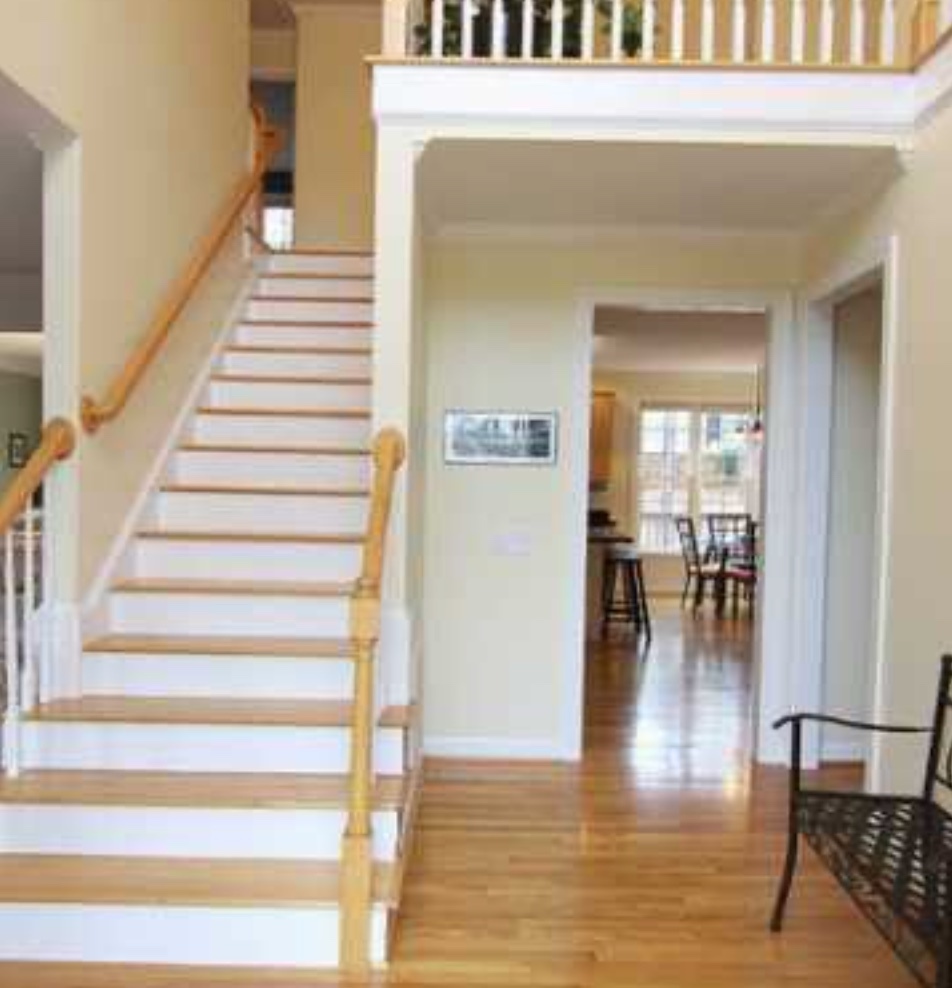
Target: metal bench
<point x="892" y="854"/>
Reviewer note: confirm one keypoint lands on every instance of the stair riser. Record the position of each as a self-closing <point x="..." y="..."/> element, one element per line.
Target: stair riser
<point x="200" y="748"/>
<point x="186" y="832"/>
<point x="287" y="395"/>
<point x="272" y="469"/>
<point x="346" y="288"/>
<point x="304" y="336"/>
<point x="261" y="512"/>
<point x="285" y="430"/>
<point x="321" y="264"/>
<point x="315" y="562"/>
<point x="310" y="311"/>
<point x="276" y="937"/>
<point x="228" y="677"/>
<point x="218" y="614"/>
<point x="298" y="364"/>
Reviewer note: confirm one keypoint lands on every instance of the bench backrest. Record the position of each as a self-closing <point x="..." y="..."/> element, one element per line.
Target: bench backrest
<point x="939" y="763"/>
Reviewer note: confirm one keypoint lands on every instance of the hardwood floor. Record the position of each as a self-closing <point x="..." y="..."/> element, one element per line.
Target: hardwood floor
<point x="652" y="864"/>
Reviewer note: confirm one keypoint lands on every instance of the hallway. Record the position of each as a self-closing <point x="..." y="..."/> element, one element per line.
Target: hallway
<point x="652" y="864"/>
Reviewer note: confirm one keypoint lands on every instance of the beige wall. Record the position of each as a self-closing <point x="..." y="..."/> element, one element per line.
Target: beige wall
<point x="503" y="592"/>
<point x="663" y="573"/>
<point x="157" y="94"/>
<point x="852" y="522"/>
<point x="918" y="619"/>
<point x="334" y="179"/>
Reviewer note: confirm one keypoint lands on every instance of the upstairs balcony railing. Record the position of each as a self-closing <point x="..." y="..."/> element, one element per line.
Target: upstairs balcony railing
<point x="847" y="34"/>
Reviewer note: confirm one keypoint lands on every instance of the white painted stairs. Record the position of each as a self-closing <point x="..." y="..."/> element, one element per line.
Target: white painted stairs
<point x="188" y="808"/>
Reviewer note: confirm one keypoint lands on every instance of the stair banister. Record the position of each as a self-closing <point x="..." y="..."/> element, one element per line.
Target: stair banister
<point x="356" y="903"/>
<point x="21" y="547"/>
<point x="94" y="412"/>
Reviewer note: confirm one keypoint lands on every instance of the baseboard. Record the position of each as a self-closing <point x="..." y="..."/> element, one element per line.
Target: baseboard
<point x="496" y="748"/>
<point x="92" y="618"/>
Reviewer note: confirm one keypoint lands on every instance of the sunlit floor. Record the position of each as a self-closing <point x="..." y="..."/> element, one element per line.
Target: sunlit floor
<point x="652" y="863"/>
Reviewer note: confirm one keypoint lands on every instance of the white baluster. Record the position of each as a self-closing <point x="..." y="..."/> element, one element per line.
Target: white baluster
<point x="826" y="31"/>
<point x="707" y="30"/>
<point x="857" y="32"/>
<point x="558" y="28"/>
<point x="11" y="718"/>
<point x="467" y="13"/>
<point x="588" y="29"/>
<point x="797" y="31"/>
<point x="436" y="29"/>
<point x="739" y="31"/>
<point x="618" y="24"/>
<point x="499" y="29"/>
<point x="28" y="692"/>
<point x="887" y="33"/>
<point x="677" y="30"/>
<point x="528" y="28"/>
<point x="767" y="31"/>
<point x="648" y="21"/>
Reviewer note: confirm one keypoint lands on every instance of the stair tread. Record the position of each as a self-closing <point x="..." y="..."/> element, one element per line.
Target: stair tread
<point x="193" y="447"/>
<point x="241" y="378"/>
<point x="219" y="790"/>
<point x="324" y="299"/>
<point x="321" y="413"/>
<point x="225" y="645"/>
<point x="203" y="710"/>
<point x="342" y="492"/>
<point x="310" y="323"/>
<point x="337" y="351"/>
<point x="322" y="252"/>
<point x="174" y="881"/>
<point x="316" y="276"/>
<point x="264" y="588"/>
<point x="197" y="535"/>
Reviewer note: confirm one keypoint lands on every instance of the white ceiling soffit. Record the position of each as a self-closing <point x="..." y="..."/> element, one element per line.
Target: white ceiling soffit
<point x="619" y="186"/>
<point x="22" y="353"/>
<point x="628" y="339"/>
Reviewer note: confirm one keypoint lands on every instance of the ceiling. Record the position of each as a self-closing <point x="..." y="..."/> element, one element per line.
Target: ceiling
<point x="601" y="184"/>
<point x="637" y="340"/>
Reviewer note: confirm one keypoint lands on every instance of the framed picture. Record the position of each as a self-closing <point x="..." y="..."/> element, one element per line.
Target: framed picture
<point x="18" y="450"/>
<point x="508" y="438"/>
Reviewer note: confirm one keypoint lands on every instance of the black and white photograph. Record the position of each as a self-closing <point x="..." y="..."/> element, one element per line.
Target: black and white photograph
<point x="513" y="438"/>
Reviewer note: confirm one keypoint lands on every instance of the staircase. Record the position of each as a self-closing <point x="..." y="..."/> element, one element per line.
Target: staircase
<point x="188" y="808"/>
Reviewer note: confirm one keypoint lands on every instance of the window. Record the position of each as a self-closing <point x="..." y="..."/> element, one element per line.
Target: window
<point x="279" y="227"/>
<point x="692" y="461"/>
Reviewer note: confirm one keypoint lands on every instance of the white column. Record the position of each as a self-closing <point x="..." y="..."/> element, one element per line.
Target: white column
<point x="528" y="28"/>
<point x="499" y="29"/>
<point x="826" y="31"/>
<point x="588" y="29"/>
<point x="618" y="23"/>
<point x="767" y="31"/>
<point x="677" y="30"/>
<point x="467" y="13"/>
<point x="797" y="31"/>
<point x="648" y="22"/>
<point x="739" y="30"/>
<point x="558" y="28"/>
<point x="436" y="28"/>
<point x="707" y="30"/>
<point x="857" y="32"/>
<point x="887" y="33"/>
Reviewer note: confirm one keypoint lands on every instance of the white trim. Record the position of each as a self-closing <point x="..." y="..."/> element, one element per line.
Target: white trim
<point x="114" y="561"/>
<point x="495" y="747"/>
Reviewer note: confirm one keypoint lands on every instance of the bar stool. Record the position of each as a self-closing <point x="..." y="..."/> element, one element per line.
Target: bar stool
<point x="623" y="561"/>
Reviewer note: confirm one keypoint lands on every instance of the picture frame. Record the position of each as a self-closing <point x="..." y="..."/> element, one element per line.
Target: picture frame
<point x="496" y="438"/>
<point x="18" y="450"/>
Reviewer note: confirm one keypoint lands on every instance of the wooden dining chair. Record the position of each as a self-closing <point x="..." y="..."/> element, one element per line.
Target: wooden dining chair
<point x="698" y="572"/>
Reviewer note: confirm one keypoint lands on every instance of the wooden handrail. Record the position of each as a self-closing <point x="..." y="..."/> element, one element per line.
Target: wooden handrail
<point x="95" y="412"/>
<point x="357" y="864"/>
<point x="57" y="443"/>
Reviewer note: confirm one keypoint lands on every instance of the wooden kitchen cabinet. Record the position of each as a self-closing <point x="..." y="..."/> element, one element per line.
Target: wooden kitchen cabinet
<point x="600" y="439"/>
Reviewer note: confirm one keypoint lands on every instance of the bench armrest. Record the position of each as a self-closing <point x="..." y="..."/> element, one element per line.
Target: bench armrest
<point x="846" y="722"/>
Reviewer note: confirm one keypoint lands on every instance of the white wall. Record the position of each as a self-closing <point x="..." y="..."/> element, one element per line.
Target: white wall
<point x="505" y="547"/>
<point x="851" y="551"/>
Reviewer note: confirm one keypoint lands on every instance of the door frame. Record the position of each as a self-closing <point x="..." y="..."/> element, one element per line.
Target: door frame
<point x="788" y="652"/>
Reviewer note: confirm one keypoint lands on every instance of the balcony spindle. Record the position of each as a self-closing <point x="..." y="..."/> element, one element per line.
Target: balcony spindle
<point x="887" y="33"/>
<point x="618" y="16"/>
<point x="739" y="30"/>
<point x="11" y="719"/>
<point x="797" y="31"/>
<point x="677" y="30"/>
<point x="29" y="692"/>
<point x="558" y="28"/>
<point x="436" y="29"/>
<point x="499" y="29"/>
<point x="768" y="31"/>
<point x="649" y="16"/>
<point x="826" y="31"/>
<point x="588" y="29"/>
<point x="857" y="32"/>
<point x="467" y="13"/>
<point x="707" y="30"/>
<point x="528" y="28"/>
